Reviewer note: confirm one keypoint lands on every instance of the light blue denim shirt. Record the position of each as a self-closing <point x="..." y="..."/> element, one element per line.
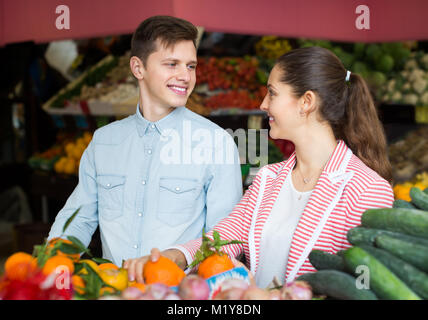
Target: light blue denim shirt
<point x="152" y="184"/>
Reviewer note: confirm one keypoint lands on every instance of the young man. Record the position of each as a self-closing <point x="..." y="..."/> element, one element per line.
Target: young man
<point x="143" y="179"/>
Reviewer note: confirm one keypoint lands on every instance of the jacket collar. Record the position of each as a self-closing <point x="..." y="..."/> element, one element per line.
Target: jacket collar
<point x="332" y="167"/>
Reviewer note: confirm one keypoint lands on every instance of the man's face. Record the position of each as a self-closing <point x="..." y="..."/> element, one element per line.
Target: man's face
<point x="169" y="74"/>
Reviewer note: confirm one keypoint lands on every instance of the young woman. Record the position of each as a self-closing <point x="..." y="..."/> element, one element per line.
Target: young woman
<point x="339" y="170"/>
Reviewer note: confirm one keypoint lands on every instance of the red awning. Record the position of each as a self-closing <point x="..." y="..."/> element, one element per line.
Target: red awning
<point x="389" y="20"/>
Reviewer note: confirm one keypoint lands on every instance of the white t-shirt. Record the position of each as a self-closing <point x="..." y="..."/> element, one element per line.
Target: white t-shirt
<point x="278" y="233"/>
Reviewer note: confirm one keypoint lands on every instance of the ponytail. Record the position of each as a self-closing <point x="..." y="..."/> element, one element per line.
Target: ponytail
<point x="362" y="130"/>
<point x="346" y="102"/>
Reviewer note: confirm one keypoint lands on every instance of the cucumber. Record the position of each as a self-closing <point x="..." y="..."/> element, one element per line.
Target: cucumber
<point x="426" y="191"/>
<point x="413" y="222"/>
<point x="413" y="277"/>
<point x="403" y="204"/>
<point x="384" y="283"/>
<point x="361" y="235"/>
<point x="340" y="253"/>
<point x="419" y="198"/>
<point x="322" y="260"/>
<point x="336" y="284"/>
<point x="409" y="251"/>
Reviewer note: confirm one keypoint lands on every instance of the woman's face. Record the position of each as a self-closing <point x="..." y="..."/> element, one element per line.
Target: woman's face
<point x="282" y="107"/>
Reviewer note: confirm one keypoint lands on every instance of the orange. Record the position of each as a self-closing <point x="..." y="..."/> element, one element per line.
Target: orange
<point x="59" y="165"/>
<point x="19" y="265"/>
<point x="70" y="166"/>
<point x="106" y="291"/>
<point x="140" y="286"/>
<point x="87" y="137"/>
<point x="104" y="266"/>
<point x="91" y="263"/>
<point x="402" y="191"/>
<point x="58" y="261"/>
<point x="69" y="149"/>
<point x="214" y="264"/>
<point x="78" y="284"/>
<point x="163" y="271"/>
<point x="118" y="279"/>
<point x="75" y="257"/>
<point x="420" y="185"/>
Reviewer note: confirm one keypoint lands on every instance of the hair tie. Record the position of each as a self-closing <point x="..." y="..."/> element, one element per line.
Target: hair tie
<point x="348" y="75"/>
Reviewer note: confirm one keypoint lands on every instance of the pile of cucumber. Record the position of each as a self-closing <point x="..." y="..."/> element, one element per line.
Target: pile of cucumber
<point x="388" y="259"/>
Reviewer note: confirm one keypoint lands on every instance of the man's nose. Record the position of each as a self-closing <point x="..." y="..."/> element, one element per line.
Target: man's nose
<point x="184" y="74"/>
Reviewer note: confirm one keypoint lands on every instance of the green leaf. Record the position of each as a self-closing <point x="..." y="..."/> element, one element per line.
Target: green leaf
<point x="216" y="236"/>
<point x="36" y="250"/>
<point x="78" y="267"/>
<point x="79" y="245"/>
<point x="69" y="220"/>
<point x="101" y="260"/>
<point x="68" y="248"/>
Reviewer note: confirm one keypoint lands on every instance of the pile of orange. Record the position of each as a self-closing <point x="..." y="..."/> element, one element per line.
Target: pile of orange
<point x="69" y="163"/>
<point x="22" y="266"/>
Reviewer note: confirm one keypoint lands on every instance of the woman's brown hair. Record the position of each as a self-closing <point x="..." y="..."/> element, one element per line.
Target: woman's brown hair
<point x="346" y="105"/>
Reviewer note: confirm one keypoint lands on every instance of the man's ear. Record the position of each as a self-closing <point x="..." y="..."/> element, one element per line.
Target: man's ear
<point x="137" y="67"/>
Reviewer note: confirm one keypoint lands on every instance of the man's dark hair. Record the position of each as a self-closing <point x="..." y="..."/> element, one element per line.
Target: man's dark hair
<point x="168" y="30"/>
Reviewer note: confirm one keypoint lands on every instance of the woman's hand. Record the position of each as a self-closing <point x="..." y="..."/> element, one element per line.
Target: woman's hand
<point x="237" y="264"/>
<point x="135" y="267"/>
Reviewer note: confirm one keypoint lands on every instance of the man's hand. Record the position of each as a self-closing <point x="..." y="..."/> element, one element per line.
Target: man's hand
<point x="135" y="267"/>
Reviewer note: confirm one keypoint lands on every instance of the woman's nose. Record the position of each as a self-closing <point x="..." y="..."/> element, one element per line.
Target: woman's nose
<point x="264" y="106"/>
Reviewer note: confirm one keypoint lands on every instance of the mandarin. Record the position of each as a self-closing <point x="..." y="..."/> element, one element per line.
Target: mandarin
<point x="104" y="266"/>
<point x="54" y="262"/>
<point x="92" y="264"/>
<point x="214" y="264"/>
<point x="78" y="284"/>
<point x="73" y="256"/>
<point x="140" y="286"/>
<point x="163" y="271"/>
<point x="104" y="291"/>
<point x="19" y="265"/>
<point x="118" y="279"/>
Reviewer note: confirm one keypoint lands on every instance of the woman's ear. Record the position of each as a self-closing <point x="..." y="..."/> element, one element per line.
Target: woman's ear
<point x="137" y="67"/>
<point x="310" y="101"/>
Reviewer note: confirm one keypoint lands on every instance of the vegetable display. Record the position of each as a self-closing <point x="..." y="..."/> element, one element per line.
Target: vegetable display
<point x="388" y="259"/>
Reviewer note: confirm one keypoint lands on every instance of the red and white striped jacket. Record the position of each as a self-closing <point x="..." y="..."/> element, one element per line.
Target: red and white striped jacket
<point x="345" y="189"/>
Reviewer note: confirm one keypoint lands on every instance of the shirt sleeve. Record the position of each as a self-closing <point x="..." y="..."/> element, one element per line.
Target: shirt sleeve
<point x="84" y="197"/>
<point x="378" y="195"/>
<point x="224" y="189"/>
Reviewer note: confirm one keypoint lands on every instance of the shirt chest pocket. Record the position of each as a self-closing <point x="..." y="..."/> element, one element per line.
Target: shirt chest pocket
<point x="110" y="195"/>
<point x="177" y="200"/>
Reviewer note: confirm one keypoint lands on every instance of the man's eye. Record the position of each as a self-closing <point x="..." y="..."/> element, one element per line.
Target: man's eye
<point x="172" y="64"/>
<point x="192" y="67"/>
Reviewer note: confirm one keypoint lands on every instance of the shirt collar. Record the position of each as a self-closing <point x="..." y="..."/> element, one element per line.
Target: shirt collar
<point x="168" y="122"/>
